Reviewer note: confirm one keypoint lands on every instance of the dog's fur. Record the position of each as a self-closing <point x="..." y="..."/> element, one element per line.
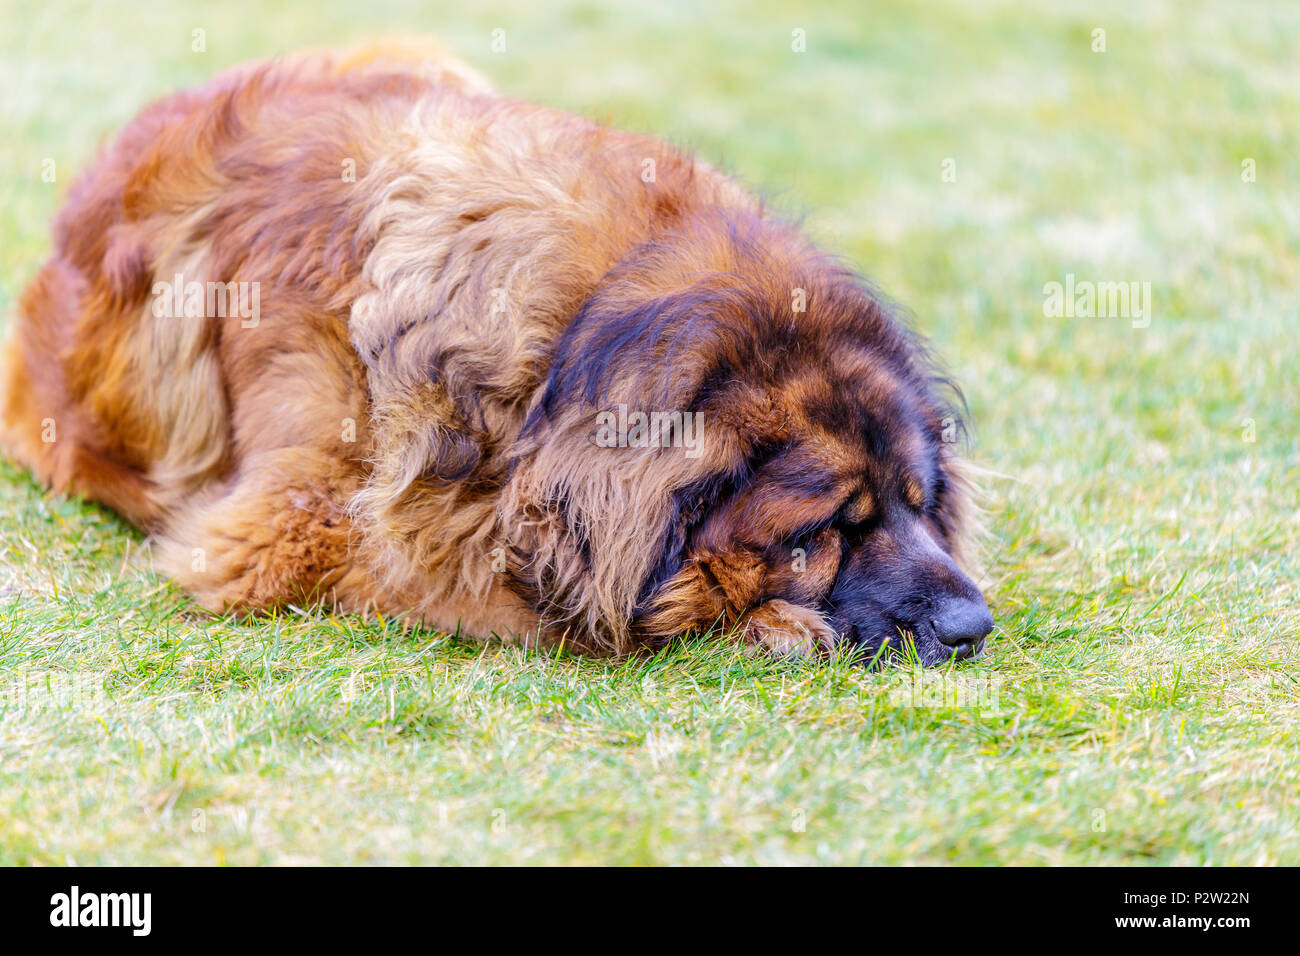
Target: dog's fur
<point x="409" y="427"/>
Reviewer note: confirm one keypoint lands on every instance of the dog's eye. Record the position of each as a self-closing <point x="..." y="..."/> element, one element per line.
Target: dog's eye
<point x="854" y="531"/>
<point x="859" y="516"/>
<point x="914" y="493"/>
<point x="861" y="508"/>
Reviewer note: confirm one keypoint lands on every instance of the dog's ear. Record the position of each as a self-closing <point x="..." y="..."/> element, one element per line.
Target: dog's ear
<point x="591" y="525"/>
<point x="594" y="526"/>
<point x="614" y="537"/>
<point x="603" y="527"/>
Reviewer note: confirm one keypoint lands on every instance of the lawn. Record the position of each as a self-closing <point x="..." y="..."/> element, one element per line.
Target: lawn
<point x="1140" y="701"/>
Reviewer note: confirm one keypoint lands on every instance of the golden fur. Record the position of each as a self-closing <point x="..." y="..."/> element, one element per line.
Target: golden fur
<point x="394" y="434"/>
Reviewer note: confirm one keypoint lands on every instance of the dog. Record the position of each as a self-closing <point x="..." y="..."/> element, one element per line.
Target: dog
<point x="353" y="328"/>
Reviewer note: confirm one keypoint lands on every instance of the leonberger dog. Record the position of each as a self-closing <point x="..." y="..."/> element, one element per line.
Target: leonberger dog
<point x="356" y="329"/>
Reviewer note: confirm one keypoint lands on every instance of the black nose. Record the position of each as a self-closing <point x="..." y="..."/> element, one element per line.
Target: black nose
<point x="962" y="621"/>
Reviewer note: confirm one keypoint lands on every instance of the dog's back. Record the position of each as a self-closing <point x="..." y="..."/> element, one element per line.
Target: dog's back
<point x="380" y="212"/>
<point x="102" y="396"/>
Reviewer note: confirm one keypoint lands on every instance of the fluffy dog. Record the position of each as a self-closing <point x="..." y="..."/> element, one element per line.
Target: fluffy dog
<point x="357" y="329"/>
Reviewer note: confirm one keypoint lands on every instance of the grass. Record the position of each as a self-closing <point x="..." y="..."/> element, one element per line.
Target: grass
<point x="1140" y="702"/>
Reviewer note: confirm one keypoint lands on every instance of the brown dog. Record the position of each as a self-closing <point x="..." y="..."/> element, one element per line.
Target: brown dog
<point x="357" y="329"/>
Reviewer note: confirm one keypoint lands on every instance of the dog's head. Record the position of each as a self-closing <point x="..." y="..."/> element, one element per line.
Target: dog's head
<point x="734" y="419"/>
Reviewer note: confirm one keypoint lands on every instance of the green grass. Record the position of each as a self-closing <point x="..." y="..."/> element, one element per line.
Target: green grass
<point x="1140" y="702"/>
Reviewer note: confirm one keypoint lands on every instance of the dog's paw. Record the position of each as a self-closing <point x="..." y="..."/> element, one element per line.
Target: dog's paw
<point x="788" y="630"/>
